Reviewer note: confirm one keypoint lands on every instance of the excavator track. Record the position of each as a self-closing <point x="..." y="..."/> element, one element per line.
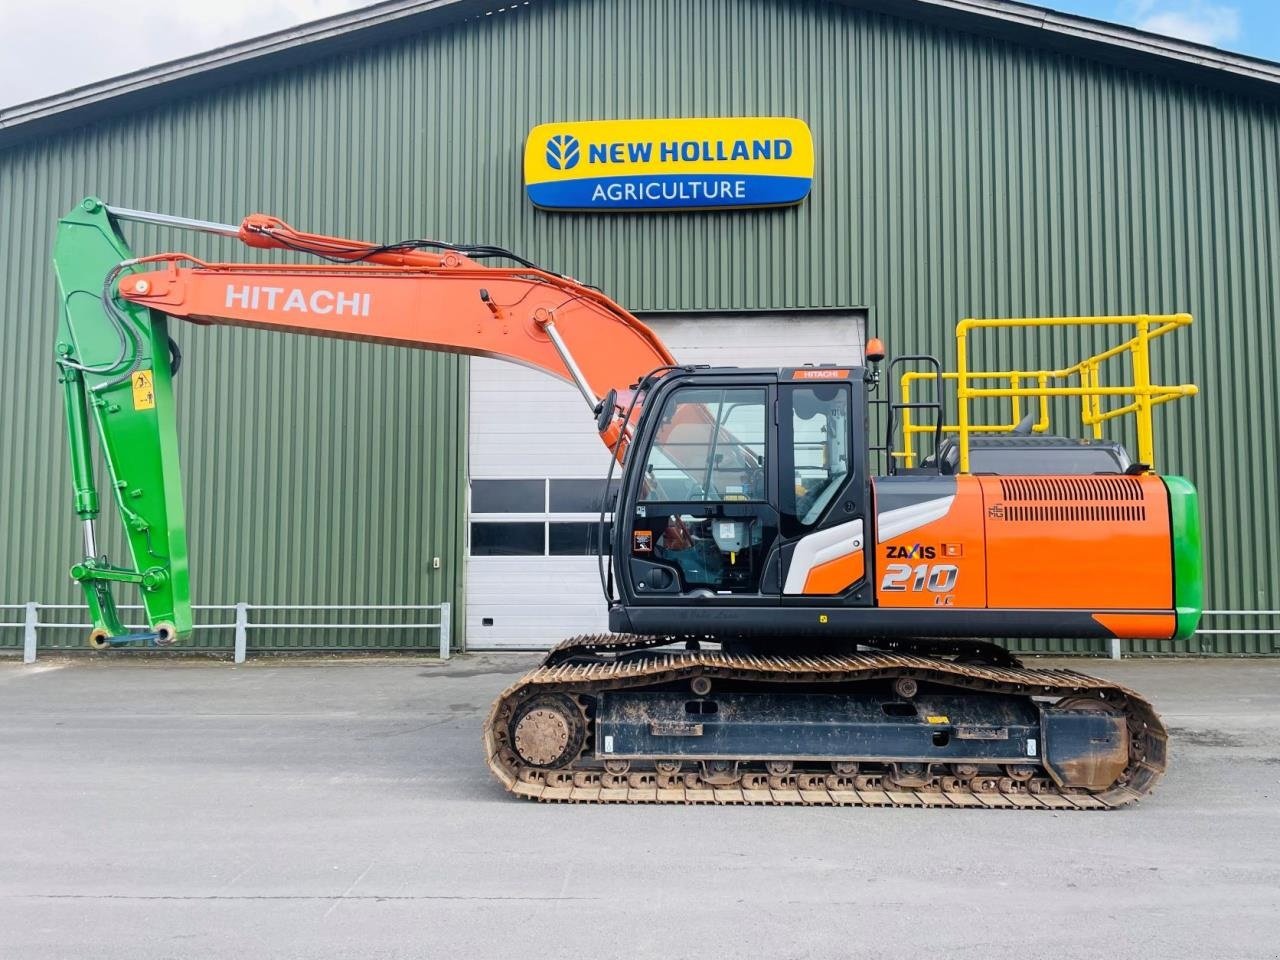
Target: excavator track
<point x="540" y="735"/>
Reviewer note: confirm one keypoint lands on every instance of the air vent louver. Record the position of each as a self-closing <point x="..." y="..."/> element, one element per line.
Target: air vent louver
<point x="1058" y="489"/>
<point x="1072" y="499"/>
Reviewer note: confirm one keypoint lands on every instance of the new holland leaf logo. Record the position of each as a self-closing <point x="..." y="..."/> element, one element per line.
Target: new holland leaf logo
<point x="562" y="152"/>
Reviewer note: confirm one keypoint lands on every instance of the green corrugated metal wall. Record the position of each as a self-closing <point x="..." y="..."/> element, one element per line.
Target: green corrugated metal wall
<point x="957" y="176"/>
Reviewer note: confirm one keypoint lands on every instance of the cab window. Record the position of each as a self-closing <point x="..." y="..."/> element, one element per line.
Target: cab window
<point x="709" y="447"/>
<point x="816" y="461"/>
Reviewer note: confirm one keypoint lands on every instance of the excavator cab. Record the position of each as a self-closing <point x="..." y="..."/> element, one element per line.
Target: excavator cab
<point x="729" y="471"/>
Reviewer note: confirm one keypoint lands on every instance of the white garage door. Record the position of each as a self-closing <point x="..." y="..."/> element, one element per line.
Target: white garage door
<point x="537" y="468"/>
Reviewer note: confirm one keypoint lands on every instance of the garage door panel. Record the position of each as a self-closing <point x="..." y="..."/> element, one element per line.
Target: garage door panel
<point x="534" y="604"/>
<point x="505" y="581"/>
<point x="764" y="341"/>
<point x="571" y="408"/>
<point x="526" y="425"/>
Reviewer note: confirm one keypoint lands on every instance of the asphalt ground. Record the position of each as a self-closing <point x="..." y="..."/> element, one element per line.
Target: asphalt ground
<point x="170" y="808"/>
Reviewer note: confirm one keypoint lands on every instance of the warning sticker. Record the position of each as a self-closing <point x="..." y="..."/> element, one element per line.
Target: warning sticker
<point x="933" y="718"/>
<point x="144" y="394"/>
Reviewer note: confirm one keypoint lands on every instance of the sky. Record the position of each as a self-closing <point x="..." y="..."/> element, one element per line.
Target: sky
<point x="49" y="46"/>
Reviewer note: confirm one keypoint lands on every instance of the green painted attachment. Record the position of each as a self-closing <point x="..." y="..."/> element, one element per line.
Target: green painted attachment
<point x="116" y="375"/>
<point x="1188" y="556"/>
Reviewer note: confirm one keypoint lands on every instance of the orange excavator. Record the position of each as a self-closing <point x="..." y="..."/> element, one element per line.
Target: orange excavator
<point x="791" y="621"/>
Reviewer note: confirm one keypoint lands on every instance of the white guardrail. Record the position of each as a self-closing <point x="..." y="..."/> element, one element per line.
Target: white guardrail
<point x="31" y="623"/>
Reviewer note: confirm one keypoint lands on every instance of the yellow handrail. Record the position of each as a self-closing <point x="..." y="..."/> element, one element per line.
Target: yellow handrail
<point x="907" y="452"/>
<point x="1088" y="386"/>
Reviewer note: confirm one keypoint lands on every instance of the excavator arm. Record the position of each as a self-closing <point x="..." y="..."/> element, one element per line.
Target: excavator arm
<point x="116" y="360"/>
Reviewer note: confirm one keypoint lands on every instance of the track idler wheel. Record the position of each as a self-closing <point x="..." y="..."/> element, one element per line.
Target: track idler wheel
<point x="548" y="731"/>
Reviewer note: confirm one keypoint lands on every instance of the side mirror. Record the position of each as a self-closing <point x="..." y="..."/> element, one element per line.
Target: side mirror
<point x="604" y="410"/>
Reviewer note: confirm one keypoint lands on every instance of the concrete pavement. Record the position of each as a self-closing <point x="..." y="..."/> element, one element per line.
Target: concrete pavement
<point x="170" y="808"/>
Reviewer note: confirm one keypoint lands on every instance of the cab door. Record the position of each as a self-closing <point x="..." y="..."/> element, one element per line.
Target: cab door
<point x="822" y="496"/>
<point x="704" y="524"/>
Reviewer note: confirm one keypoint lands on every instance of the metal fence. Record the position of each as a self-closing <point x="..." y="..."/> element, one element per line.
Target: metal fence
<point x="442" y="627"/>
<point x="1250" y="631"/>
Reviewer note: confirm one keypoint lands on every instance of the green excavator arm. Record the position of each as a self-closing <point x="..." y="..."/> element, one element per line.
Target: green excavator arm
<point x="116" y="368"/>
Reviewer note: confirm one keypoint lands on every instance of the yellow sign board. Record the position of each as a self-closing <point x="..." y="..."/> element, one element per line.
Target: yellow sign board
<point x="684" y="163"/>
<point x="144" y="392"/>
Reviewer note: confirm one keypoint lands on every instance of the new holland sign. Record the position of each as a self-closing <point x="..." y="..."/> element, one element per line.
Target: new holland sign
<point x="669" y="164"/>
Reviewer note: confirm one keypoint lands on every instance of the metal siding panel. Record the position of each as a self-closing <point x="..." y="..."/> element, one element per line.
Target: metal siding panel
<point x="956" y="175"/>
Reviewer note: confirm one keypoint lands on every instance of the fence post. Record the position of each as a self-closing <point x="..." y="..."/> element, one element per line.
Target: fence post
<point x="29" y="625"/>
<point x="446" y="626"/>
<point x="1113" y="648"/>
<point x="242" y="631"/>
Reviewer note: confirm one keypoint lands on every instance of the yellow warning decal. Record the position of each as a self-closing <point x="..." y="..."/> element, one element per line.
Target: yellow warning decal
<point x="937" y="719"/>
<point x="144" y="393"/>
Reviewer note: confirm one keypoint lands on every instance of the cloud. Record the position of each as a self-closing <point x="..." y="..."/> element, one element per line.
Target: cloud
<point x="53" y="45"/>
<point x="1207" y="23"/>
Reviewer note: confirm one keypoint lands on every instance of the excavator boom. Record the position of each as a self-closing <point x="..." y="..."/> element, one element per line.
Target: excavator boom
<point x="414" y="294"/>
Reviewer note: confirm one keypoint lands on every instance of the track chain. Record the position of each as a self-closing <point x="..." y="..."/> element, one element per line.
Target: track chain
<point x="590" y="664"/>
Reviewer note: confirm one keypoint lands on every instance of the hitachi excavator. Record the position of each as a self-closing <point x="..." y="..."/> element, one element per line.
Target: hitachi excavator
<point x="790" y="623"/>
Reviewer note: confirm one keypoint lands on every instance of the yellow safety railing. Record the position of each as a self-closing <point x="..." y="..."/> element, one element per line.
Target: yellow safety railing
<point x="1084" y="379"/>
<point x="907" y="453"/>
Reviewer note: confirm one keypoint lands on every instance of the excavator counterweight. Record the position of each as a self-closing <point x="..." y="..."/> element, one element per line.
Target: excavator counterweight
<point x="792" y="622"/>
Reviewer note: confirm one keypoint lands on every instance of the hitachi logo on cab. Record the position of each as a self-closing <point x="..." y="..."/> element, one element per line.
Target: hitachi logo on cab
<point x="248" y="296"/>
